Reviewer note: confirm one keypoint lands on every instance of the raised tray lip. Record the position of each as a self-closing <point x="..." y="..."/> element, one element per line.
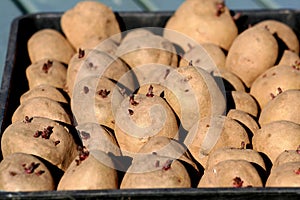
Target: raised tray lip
<point x="165" y="193"/>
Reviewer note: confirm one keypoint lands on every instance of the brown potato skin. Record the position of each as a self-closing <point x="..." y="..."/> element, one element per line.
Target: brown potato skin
<point x="252" y="52"/>
<point x="289" y="58"/>
<point x="13" y="176"/>
<point x="268" y="139"/>
<point x="49" y="44"/>
<point x="245" y="102"/>
<point x="287" y="156"/>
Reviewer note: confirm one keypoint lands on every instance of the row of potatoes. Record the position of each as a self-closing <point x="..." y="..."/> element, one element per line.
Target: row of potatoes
<point x="109" y="110"/>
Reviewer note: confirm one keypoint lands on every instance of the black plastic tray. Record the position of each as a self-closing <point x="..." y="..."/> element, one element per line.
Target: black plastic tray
<point x="14" y="84"/>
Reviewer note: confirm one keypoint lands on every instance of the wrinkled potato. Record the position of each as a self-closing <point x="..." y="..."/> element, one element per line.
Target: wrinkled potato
<point x="201" y="20"/>
<point x="212" y="133"/>
<point x="226" y="153"/>
<point x="284" y="32"/>
<point x="285" y="175"/>
<point x="24" y="172"/>
<point x="44" y="90"/>
<point x="147" y="49"/>
<point x="46" y="71"/>
<point x="42" y="137"/>
<point x="243" y="101"/>
<point x="283" y="107"/>
<point x="155" y="171"/>
<point x="88" y="19"/>
<point x="42" y="107"/>
<point x="287" y="156"/>
<point x="141" y="117"/>
<point x="88" y="63"/>
<point x="274" y="138"/>
<point x="97" y="137"/>
<point x="49" y="44"/>
<point x="245" y="119"/>
<point x="252" y="52"/>
<point x="91" y="170"/>
<point x="231" y="173"/>
<point x="273" y="81"/>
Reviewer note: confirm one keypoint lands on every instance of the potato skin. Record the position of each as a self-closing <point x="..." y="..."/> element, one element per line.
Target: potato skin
<point x="49" y="44"/>
<point x="287" y="156"/>
<point x="252" y="52"/>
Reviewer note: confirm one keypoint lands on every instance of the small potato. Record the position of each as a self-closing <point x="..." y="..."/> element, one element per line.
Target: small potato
<point x="285" y="175"/>
<point x="231" y="173"/>
<point x="273" y="81"/>
<point x="42" y="137"/>
<point x="212" y="133"/>
<point x="49" y="44"/>
<point x="88" y="19"/>
<point x="245" y="119"/>
<point x="284" y="32"/>
<point x="289" y="58"/>
<point x="108" y="45"/>
<point x="201" y="20"/>
<point x="274" y="138"/>
<point x="230" y="80"/>
<point x="252" y="52"/>
<point x="91" y="170"/>
<point x="156" y="172"/>
<point x="147" y="49"/>
<point x="287" y="156"/>
<point x="134" y="33"/>
<point x="20" y="172"/>
<point x="42" y="107"/>
<point x="46" y="71"/>
<point x="243" y="101"/>
<point x="140" y="118"/>
<point x="44" y="90"/>
<point x="283" y="107"/>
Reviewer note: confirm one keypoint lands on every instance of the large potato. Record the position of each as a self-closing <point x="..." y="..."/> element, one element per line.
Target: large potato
<point x="201" y="20"/>
<point x="212" y="133"/>
<point x="274" y="138"/>
<point x="252" y="52"/>
<point x="89" y="19"/>
<point x="49" y="44"/>
<point x="273" y="81"/>
<point x="285" y="106"/>
<point x="43" y="137"/>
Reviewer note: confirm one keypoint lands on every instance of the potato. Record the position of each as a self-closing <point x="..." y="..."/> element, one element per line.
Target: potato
<point x="141" y="117"/>
<point x="88" y="19"/>
<point x="282" y="107"/>
<point x="289" y="58"/>
<point x="97" y="63"/>
<point x="42" y="137"/>
<point x="91" y="170"/>
<point x="230" y="80"/>
<point x="285" y="175"/>
<point x="284" y="32"/>
<point x="49" y="44"/>
<point x="108" y="45"/>
<point x="269" y="138"/>
<point x="287" y="156"/>
<point x="231" y="173"/>
<point x="273" y="81"/>
<point x="163" y="172"/>
<point x="44" y="90"/>
<point x="194" y="86"/>
<point x="147" y="49"/>
<point x="254" y="51"/>
<point x="195" y="55"/>
<point x="46" y="71"/>
<point x="137" y="32"/>
<point x="42" y="107"/>
<point x="212" y="133"/>
<point x="20" y="172"/>
<point x="96" y="100"/>
<point x="245" y="119"/>
<point x="97" y="137"/>
<point x="226" y="153"/>
<point x="243" y="101"/>
<point x="201" y="20"/>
